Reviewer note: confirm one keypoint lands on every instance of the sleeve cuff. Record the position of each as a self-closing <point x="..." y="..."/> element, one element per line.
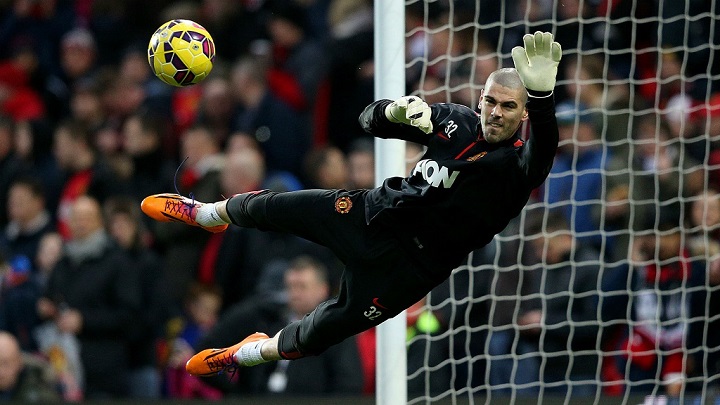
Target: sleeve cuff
<point x="539" y="94"/>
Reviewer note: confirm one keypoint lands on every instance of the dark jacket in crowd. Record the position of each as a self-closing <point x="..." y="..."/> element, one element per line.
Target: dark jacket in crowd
<point x="99" y="281"/>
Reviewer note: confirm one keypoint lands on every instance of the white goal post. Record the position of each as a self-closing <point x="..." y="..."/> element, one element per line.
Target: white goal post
<point x="391" y="383"/>
<point x="638" y="97"/>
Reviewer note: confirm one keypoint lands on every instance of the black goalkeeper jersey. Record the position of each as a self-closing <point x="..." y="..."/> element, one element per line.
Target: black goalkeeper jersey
<point x="464" y="190"/>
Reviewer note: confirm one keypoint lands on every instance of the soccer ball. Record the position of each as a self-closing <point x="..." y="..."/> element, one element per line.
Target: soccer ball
<point x="181" y="53"/>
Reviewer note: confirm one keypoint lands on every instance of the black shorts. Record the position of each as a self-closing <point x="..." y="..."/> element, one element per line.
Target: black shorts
<point x="380" y="280"/>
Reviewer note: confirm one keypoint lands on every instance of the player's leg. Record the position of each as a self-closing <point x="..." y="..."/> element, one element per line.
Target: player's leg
<point x="332" y="218"/>
<point x="371" y="292"/>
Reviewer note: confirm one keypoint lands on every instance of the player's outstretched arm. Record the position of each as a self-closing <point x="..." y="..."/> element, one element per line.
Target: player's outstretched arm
<point x="410" y="110"/>
<point x="407" y="118"/>
<point x="537" y="61"/>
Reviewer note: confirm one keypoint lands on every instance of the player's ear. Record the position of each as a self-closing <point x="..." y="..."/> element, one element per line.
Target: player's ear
<point x="524" y="115"/>
<point x="482" y="93"/>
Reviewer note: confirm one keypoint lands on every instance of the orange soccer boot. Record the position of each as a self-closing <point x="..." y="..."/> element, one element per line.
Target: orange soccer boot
<point x="168" y="207"/>
<point x="210" y="362"/>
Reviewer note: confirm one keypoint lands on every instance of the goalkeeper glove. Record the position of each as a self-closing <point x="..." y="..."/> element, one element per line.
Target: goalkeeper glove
<point x="412" y="111"/>
<point x="537" y="62"/>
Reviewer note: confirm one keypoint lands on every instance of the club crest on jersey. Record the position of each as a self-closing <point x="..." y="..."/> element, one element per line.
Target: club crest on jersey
<point x="434" y="174"/>
<point x="476" y="157"/>
<point x="343" y="205"/>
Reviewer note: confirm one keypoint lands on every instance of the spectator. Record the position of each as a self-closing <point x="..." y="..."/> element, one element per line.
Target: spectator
<point x="23" y="378"/>
<point x="201" y="171"/>
<point x="361" y="164"/>
<point x="236" y="27"/>
<point x="94" y="294"/>
<point x="85" y="173"/>
<point x="217" y="108"/>
<point x="241" y="143"/>
<point x="38" y="26"/>
<point x="107" y="143"/>
<point x="122" y="98"/>
<point x="574" y="32"/>
<point x="29" y="219"/>
<point x="474" y="71"/>
<point x="610" y="105"/>
<point x="680" y="113"/>
<point x="18" y="296"/>
<point x="77" y="57"/>
<point x="568" y="339"/>
<point x="668" y="80"/>
<point x="142" y="138"/>
<point x="9" y="163"/>
<point x="575" y="182"/>
<point x="512" y="361"/>
<point x="33" y="147"/>
<point x="282" y="132"/>
<point x="660" y="172"/>
<point x="299" y="64"/>
<point x="40" y="81"/>
<point x="125" y="227"/>
<point x="349" y="53"/>
<point x="244" y="170"/>
<point x="326" y="167"/>
<point x="133" y="68"/>
<point x="201" y="311"/>
<point x="528" y="16"/>
<point x="664" y="282"/>
<point x="86" y="105"/>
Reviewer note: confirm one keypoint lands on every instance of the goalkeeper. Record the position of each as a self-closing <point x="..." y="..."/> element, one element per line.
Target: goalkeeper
<point x="400" y="240"/>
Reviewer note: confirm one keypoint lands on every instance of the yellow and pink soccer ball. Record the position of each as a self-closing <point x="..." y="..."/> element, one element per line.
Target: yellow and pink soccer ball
<point x="181" y="53"/>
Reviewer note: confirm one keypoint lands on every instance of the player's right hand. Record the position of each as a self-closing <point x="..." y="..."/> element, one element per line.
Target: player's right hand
<point x="537" y="62"/>
<point x="410" y="110"/>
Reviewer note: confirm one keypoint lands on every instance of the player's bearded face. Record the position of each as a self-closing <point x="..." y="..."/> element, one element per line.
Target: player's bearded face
<point x="502" y="110"/>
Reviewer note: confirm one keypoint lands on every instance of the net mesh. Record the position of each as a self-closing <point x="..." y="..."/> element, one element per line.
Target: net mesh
<point x="606" y="285"/>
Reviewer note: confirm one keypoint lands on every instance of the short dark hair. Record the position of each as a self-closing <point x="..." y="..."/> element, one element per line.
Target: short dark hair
<point x="309" y="262"/>
<point x="31" y="183"/>
<point x="508" y="77"/>
<point x="77" y="131"/>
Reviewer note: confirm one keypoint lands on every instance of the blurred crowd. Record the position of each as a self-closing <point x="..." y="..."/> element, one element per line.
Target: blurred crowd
<point x="605" y="283"/>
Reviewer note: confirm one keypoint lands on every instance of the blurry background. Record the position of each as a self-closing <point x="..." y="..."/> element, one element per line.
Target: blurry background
<point x="605" y="287"/>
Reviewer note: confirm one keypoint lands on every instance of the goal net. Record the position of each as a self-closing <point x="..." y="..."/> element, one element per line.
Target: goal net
<point x="605" y="287"/>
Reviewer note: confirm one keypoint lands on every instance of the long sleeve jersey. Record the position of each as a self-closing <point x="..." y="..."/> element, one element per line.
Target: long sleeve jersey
<point x="464" y="190"/>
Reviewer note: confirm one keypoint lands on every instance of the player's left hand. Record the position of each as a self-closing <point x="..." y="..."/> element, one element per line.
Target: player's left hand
<point x="410" y="110"/>
<point x="537" y="62"/>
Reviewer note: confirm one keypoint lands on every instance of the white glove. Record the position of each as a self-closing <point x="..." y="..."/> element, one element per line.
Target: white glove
<point x="410" y="110"/>
<point x="537" y="63"/>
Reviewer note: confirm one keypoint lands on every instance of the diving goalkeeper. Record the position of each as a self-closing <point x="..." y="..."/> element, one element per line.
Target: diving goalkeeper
<point x="400" y="240"/>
